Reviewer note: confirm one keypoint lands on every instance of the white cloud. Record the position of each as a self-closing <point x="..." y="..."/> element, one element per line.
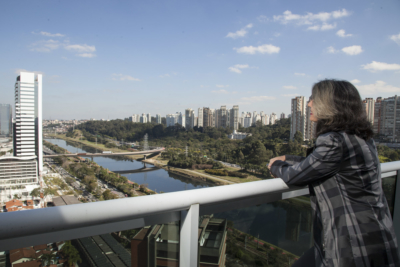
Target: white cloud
<point x="262" y="49"/>
<point x="290" y="95"/>
<point x="121" y="77"/>
<point x="299" y="74"/>
<point x="377" y="87"/>
<point x="221" y="85"/>
<point x="45" y="45"/>
<point x="89" y="55"/>
<point x="323" y="27"/>
<point x="222" y="91"/>
<point x="331" y="50"/>
<point x="237" y="68"/>
<point x="352" y="50"/>
<point x="257" y="98"/>
<point x="277" y="34"/>
<point x="165" y="75"/>
<point x="240" y="33"/>
<point x="310" y="18"/>
<point x="52" y="34"/>
<point x="262" y="18"/>
<point x="342" y="33"/>
<point x="289" y="87"/>
<point x="396" y="38"/>
<point x="355" y="81"/>
<point x="81" y="48"/>
<point x="379" y="66"/>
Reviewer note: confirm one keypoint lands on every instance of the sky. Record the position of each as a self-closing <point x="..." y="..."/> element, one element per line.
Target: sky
<point x="111" y="59"/>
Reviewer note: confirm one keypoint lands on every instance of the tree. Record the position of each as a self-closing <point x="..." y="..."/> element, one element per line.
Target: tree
<point x="71" y="253"/>
<point x="298" y="137"/>
<point x="35" y="192"/>
<point x="46" y="259"/>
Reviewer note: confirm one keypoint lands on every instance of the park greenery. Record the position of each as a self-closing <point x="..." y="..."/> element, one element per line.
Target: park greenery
<point x="188" y="148"/>
<point x="251" y="153"/>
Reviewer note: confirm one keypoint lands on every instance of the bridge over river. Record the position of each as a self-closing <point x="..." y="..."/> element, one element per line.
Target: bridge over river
<point x="146" y="152"/>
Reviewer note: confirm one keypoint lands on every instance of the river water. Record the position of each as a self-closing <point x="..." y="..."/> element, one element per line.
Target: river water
<point x="286" y="225"/>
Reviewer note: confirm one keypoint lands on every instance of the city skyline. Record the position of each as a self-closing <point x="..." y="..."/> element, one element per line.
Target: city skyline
<point x="180" y="55"/>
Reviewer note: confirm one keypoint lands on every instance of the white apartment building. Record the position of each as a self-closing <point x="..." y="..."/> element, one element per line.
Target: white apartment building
<point x="148" y="118"/>
<point x="171" y="119"/>
<point x="143" y="118"/>
<point x="265" y="120"/>
<point x="298" y="115"/>
<point x="158" y="119"/>
<point x="134" y="118"/>
<point x="200" y="116"/>
<point x="238" y="135"/>
<point x="273" y="118"/>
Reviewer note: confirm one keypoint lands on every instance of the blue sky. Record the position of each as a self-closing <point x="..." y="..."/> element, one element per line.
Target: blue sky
<point x="111" y="59"/>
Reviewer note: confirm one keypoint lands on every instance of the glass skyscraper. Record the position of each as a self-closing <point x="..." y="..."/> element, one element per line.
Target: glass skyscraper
<point x="5" y="120"/>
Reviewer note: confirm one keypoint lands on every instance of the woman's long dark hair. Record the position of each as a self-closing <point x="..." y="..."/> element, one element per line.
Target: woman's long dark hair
<point x="339" y="107"/>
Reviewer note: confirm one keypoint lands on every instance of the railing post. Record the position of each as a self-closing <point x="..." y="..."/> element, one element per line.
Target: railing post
<point x="189" y="237"/>
<point x="396" y="209"/>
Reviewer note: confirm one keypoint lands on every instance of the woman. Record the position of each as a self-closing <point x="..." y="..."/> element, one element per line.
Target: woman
<point x="352" y="223"/>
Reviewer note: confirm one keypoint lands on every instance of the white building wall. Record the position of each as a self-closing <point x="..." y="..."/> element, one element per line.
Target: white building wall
<point x="200" y="117"/>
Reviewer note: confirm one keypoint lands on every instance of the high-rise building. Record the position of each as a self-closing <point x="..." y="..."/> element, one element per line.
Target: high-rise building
<point x="265" y="120"/>
<point x="208" y="117"/>
<point x="369" y="106"/>
<point x="20" y="174"/>
<point x="298" y="115"/>
<point x="189" y="118"/>
<point x="143" y="118"/>
<point x="149" y="118"/>
<point x="200" y="120"/>
<point x="28" y="116"/>
<point x="282" y="115"/>
<point x="310" y="125"/>
<point x="158" y="119"/>
<point x="216" y="118"/>
<point x="247" y="120"/>
<point x="5" y="120"/>
<point x="390" y="110"/>
<point x="273" y="118"/>
<point x="234" y="118"/>
<point x="134" y="118"/>
<point x="377" y="115"/>
<point x="222" y="117"/>
<point x="171" y="119"/>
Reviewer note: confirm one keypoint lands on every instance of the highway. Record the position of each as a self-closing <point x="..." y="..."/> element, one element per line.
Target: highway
<point x="147" y="152"/>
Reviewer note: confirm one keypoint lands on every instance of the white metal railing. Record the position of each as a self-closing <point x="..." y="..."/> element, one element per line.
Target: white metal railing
<point x="35" y="227"/>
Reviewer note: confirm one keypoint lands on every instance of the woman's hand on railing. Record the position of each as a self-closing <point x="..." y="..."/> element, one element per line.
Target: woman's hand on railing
<point x="282" y="158"/>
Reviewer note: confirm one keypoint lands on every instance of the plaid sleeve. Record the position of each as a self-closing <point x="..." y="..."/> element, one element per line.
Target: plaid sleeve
<point x="292" y="159"/>
<point x="322" y="163"/>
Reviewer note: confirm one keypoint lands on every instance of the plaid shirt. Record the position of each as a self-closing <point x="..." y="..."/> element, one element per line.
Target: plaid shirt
<point x="352" y="222"/>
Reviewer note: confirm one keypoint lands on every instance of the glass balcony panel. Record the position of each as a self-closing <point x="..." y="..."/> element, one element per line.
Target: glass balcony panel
<point x="155" y="245"/>
<point x="389" y="188"/>
<point x="273" y="234"/>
